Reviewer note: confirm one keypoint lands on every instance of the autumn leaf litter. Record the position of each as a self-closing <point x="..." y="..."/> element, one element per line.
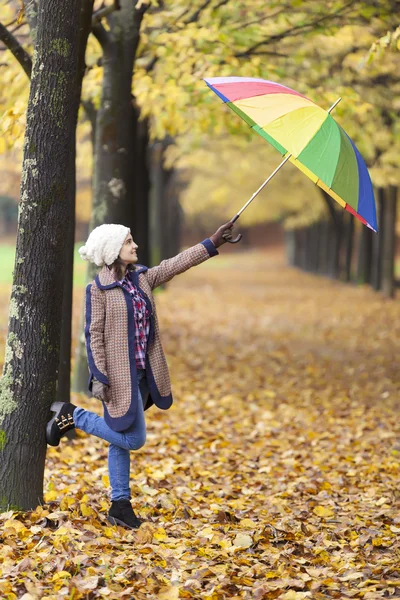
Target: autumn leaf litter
<point x="275" y="475"/>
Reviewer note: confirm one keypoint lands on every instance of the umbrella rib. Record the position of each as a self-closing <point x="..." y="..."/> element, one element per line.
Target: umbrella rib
<point x="235" y="218"/>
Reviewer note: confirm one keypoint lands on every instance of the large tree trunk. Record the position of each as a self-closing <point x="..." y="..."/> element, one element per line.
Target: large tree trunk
<point x="120" y="142"/>
<point x="114" y="170"/>
<point x="64" y="374"/>
<point x="389" y="241"/>
<point x="28" y="385"/>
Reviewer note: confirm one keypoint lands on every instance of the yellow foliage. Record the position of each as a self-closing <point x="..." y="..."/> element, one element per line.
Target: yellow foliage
<point x="224" y="173"/>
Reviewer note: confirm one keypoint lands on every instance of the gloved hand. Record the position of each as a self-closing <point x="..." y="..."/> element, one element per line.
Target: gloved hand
<point x="217" y="237"/>
<point x="99" y="390"/>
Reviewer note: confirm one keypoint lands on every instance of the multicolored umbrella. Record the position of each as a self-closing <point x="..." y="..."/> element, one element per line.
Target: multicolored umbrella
<point x="305" y="134"/>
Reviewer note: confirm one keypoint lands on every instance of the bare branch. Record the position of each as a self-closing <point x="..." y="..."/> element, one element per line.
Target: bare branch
<point x="151" y="64"/>
<point x="101" y="35"/>
<point x="18" y="27"/>
<point x="104" y="12"/>
<point x="261" y="19"/>
<point x="222" y="3"/>
<point x="198" y="12"/>
<point x="18" y="51"/>
<point x="99" y="32"/>
<point x="295" y="30"/>
<point x="137" y="19"/>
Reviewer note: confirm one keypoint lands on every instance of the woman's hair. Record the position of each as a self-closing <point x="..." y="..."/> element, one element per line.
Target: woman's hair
<point x="119" y="268"/>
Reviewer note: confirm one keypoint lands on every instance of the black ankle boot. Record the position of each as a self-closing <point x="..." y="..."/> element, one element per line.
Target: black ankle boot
<point x="62" y="422"/>
<point x="121" y="513"/>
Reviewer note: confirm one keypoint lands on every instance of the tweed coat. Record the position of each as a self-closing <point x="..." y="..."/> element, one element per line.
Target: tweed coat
<point x="110" y="335"/>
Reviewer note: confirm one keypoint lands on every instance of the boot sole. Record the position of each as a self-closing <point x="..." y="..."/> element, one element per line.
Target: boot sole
<point x="115" y="521"/>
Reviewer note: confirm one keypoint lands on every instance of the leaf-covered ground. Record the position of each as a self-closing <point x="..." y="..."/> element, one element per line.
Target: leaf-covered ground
<point x="274" y="475"/>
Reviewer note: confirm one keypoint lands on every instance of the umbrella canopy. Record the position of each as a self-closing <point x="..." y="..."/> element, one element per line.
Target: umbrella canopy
<point x="296" y="126"/>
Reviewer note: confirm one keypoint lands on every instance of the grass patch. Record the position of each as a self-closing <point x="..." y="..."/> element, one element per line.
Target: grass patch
<point x="7" y="258"/>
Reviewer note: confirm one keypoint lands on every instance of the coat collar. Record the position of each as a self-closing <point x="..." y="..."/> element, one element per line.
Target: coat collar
<point x="105" y="279"/>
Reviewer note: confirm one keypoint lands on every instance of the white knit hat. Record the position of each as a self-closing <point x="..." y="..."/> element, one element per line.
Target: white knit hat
<point x="104" y="244"/>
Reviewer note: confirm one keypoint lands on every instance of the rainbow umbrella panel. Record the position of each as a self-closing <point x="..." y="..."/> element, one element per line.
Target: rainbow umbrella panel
<point x="296" y="126"/>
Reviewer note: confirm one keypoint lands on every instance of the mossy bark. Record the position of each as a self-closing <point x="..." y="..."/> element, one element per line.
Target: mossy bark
<point x="64" y="376"/>
<point x="29" y="381"/>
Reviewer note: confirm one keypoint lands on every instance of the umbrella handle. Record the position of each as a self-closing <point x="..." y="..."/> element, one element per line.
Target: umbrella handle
<point x="228" y="235"/>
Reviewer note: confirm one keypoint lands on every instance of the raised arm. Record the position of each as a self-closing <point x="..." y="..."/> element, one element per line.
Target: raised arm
<point x="195" y="255"/>
<point x="180" y="263"/>
<point x="191" y="257"/>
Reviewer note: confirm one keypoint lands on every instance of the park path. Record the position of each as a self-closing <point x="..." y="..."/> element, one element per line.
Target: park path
<point x="276" y="472"/>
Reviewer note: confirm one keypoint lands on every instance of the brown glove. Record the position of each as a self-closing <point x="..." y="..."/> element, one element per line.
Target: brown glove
<point x="99" y="390"/>
<point x="217" y="237"/>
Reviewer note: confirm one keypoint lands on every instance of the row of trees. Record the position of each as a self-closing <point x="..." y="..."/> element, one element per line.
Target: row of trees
<point x="134" y="68"/>
<point x="341" y="248"/>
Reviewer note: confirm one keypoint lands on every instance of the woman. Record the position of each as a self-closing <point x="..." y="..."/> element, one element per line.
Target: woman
<point x="127" y="366"/>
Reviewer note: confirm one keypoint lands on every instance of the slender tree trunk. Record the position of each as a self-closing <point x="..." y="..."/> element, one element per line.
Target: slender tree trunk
<point x="324" y="248"/>
<point x="389" y="241"/>
<point x="141" y="205"/>
<point x="155" y="203"/>
<point x="336" y="233"/>
<point x="349" y="238"/>
<point x="291" y="246"/>
<point x="28" y="385"/>
<point x="364" y="256"/>
<point x="64" y="376"/>
<point x="377" y="245"/>
<point x="303" y="248"/>
<point x="316" y="246"/>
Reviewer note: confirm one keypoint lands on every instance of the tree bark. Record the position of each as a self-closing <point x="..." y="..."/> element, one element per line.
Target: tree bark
<point x="324" y="248"/>
<point x="349" y="238"/>
<point x="377" y="245"/>
<point x="335" y="234"/>
<point x="64" y="375"/>
<point x="114" y="143"/>
<point x="303" y="248"/>
<point x="28" y="385"/>
<point x="364" y="255"/>
<point x="389" y="241"/>
<point x="156" y="203"/>
<point x="141" y="205"/>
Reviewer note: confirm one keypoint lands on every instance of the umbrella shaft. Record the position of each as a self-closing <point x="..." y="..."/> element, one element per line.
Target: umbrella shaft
<point x="260" y="188"/>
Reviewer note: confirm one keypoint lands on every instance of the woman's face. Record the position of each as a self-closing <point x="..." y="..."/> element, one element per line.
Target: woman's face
<point x="128" y="251"/>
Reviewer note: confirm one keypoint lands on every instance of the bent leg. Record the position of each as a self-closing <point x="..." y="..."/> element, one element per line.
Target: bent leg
<point x="132" y="438"/>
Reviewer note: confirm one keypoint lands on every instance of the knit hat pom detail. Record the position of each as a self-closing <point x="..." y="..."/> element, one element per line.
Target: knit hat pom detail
<point x="104" y="244"/>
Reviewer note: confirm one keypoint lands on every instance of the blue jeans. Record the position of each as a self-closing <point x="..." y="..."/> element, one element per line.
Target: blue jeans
<point x="121" y="443"/>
